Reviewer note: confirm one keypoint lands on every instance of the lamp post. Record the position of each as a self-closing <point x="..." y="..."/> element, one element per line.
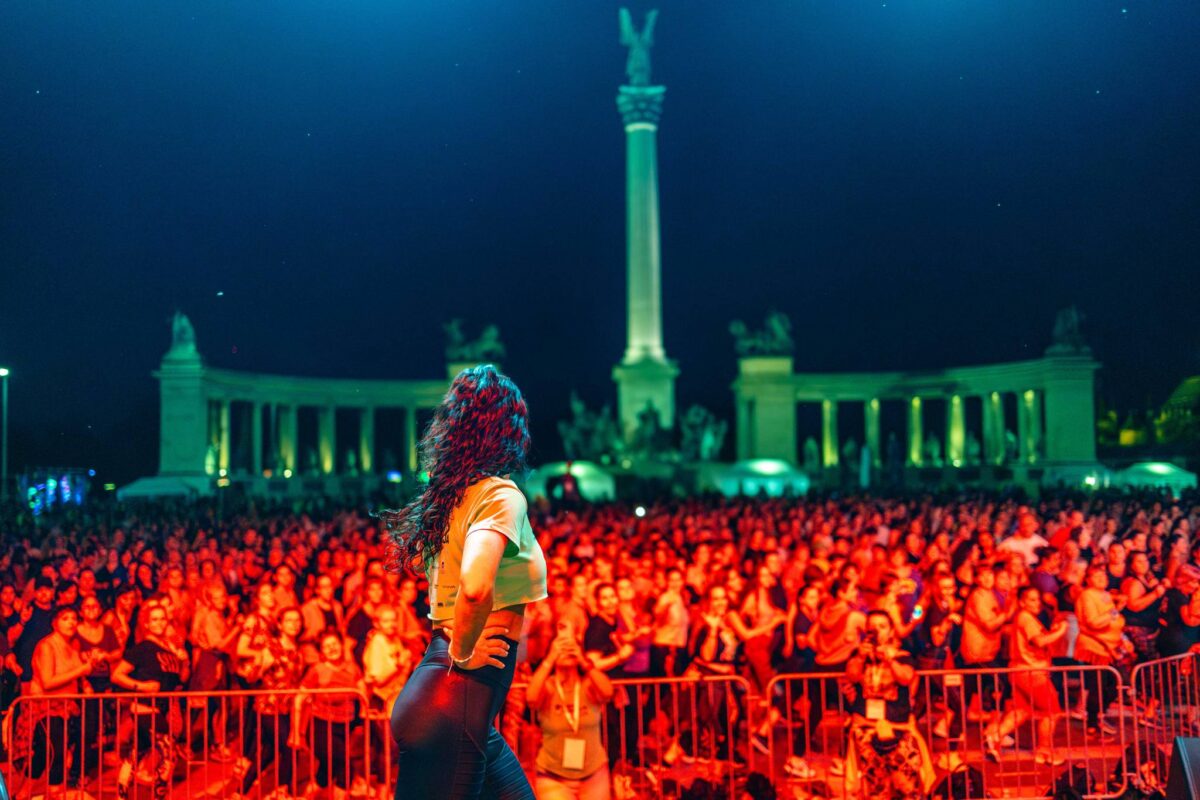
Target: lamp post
<point x="4" y="433"/>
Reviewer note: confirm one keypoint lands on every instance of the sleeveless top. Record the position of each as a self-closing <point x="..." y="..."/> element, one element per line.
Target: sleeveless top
<point x="491" y="504"/>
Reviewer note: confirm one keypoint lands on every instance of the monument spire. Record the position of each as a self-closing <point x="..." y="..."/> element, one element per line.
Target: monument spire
<point x="645" y="375"/>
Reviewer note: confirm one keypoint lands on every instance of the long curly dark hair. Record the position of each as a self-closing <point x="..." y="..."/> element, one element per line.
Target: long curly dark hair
<point x="479" y="430"/>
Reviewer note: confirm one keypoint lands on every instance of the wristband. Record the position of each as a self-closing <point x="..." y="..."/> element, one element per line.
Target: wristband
<point x="459" y="662"/>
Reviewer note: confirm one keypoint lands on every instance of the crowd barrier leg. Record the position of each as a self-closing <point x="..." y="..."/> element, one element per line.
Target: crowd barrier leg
<point x="1169" y="691"/>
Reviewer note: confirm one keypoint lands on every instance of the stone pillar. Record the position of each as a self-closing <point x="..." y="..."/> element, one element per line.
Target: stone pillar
<point x="410" y="437"/>
<point x="829" y="434"/>
<point x="327" y="439"/>
<point x="1069" y="389"/>
<point x="223" y="437"/>
<point x="184" y="415"/>
<point x="1036" y="426"/>
<point x="366" y="440"/>
<point x="742" y="427"/>
<point x="273" y="438"/>
<point x="645" y="374"/>
<point x="289" y="436"/>
<point x="871" y="426"/>
<point x="993" y="429"/>
<point x="1024" y="423"/>
<point x="916" y="434"/>
<point x="956" y="431"/>
<point x="256" y="439"/>
<point x="766" y="400"/>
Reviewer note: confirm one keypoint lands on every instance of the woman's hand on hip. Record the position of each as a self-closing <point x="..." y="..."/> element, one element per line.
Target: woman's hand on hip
<point x="489" y="651"/>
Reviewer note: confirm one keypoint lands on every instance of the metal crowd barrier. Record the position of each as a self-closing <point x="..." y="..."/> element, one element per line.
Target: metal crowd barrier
<point x="1168" y="690"/>
<point x="821" y="748"/>
<point x="666" y="732"/>
<point x="190" y="745"/>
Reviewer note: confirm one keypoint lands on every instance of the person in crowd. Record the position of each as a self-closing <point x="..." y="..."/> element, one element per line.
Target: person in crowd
<point x="1034" y="694"/>
<point x="322" y="721"/>
<point x="1180" y="630"/>
<point x="834" y="638"/>
<point x="717" y="649"/>
<point x="282" y="671"/>
<point x="764" y="611"/>
<point x="569" y="693"/>
<point x="98" y="643"/>
<point x="323" y="612"/>
<point x="1144" y="593"/>
<point x="984" y="619"/>
<point x="939" y="638"/>
<point x="668" y="652"/>
<point x="1101" y="643"/>
<point x="1026" y="541"/>
<point x="886" y="756"/>
<point x="361" y="618"/>
<point x="58" y="668"/>
<point x="151" y="666"/>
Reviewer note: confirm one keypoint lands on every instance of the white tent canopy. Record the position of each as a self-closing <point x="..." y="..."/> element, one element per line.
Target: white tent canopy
<point x="1156" y="474"/>
<point x="594" y="482"/>
<point x="756" y="475"/>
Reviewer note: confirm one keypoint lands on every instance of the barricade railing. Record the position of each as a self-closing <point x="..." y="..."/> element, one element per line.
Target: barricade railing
<point x="184" y="744"/>
<point x="985" y="732"/>
<point x="666" y="732"/>
<point x="1167" y="691"/>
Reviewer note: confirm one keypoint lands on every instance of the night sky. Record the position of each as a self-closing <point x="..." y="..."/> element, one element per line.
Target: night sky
<point x="320" y="185"/>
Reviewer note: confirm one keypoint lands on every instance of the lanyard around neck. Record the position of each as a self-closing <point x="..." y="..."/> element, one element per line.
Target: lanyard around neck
<point x="572" y="716"/>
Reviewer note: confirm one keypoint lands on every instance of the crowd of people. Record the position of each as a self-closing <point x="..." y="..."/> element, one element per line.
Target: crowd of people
<point x="152" y="599"/>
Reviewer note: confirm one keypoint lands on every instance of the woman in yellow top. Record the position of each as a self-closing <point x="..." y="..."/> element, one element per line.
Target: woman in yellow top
<point x="1101" y="643"/>
<point x="469" y="532"/>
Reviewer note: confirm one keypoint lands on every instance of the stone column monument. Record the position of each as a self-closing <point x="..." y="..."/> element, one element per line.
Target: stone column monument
<point x="645" y="374"/>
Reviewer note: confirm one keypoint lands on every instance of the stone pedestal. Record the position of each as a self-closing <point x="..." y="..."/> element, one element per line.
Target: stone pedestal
<point x="1068" y="401"/>
<point x="641" y="382"/>
<point x="766" y="408"/>
<point x="183" y="415"/>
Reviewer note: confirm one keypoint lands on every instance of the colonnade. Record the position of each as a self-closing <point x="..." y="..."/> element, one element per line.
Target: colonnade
<point x="199" y="406"/>
<point x="280" y="438"/>
<point x="1029" y="422"/>
<point x="1052" y="397"/>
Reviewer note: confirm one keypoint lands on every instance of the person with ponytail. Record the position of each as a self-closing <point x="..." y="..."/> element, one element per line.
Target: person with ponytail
<point x="468" y="531"/>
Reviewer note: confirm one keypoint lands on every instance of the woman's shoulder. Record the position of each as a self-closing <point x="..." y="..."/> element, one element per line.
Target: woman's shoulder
<point x="494" y="484"/>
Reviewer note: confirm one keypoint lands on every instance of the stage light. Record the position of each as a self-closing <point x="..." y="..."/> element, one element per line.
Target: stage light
<point x="640" y="511"/>
<point x="287" y="473"/>
<point x="223" y="473"/>
<point x="394" y="477"/>
<point x="110" y="487"/>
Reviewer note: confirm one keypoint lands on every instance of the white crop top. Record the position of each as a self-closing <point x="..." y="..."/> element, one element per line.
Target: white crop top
<point x="491" y="504"/>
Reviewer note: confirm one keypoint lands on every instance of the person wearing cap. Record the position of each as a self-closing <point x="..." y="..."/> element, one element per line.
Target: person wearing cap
<point x="36" y="624"/>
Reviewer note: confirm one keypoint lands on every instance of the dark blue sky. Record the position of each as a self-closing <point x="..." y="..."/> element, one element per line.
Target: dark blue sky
<point x="918" y="184"/>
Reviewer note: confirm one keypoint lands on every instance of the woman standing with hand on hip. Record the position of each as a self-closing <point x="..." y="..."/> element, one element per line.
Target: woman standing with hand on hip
<point x="469" y="532"/>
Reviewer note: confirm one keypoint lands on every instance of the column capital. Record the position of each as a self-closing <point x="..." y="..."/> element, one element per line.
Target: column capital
<point x="640" y="106"/>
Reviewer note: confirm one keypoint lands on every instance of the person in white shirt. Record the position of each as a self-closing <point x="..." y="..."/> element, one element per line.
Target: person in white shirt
<point x="1025" y="541"/>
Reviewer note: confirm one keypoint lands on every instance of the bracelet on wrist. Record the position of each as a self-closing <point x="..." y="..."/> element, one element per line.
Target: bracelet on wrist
<point x="459" y="662"/>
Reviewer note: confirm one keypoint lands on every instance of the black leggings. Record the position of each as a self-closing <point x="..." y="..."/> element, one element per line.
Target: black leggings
<point x="442" y="723"/>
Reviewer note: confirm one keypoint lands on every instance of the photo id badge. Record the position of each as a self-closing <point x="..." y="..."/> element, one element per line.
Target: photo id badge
<point x="876" y="709"/>
<point x="573" y="750"/>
